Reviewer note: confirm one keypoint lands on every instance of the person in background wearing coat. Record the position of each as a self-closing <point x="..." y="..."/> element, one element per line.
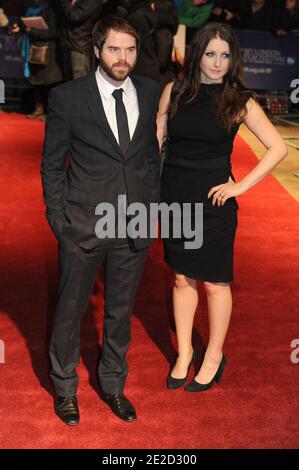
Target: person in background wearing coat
<point x="42" y="77"/>
<point x="167" y="16"/>
<point x="78" y="19"/>
<point x="194" y="14"/>
<point x="141" y="14"/>
<point x="226" y="11"/>
<point x="258" y="15"/>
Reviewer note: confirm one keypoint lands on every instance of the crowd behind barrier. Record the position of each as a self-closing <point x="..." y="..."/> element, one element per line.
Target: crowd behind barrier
<point x="270" y="53"/>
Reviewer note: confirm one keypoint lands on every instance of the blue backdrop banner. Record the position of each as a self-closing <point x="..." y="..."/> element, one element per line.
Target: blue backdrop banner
<point x="11" y="64"/>
<point x="270" y="62"/>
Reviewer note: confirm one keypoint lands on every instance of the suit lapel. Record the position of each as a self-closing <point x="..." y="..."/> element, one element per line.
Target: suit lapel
<point x="95" y="105"/>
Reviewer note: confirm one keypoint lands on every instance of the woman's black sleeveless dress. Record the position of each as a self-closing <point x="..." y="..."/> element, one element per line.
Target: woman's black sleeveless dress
<point x="199" y="157"/>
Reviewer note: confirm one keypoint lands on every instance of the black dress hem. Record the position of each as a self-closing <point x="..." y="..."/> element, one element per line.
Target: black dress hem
<point x="183" y="272"/>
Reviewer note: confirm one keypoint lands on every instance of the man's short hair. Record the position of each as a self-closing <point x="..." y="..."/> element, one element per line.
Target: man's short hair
<point x="117" y="23"/>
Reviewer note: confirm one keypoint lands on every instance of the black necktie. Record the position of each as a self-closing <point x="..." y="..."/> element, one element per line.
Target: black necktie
<point x="122" y="121"/>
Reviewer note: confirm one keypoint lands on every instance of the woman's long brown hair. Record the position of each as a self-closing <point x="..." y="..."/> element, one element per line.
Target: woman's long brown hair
<point x="232" y="101"/>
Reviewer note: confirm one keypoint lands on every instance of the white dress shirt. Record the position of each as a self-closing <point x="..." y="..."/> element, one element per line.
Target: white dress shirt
<point x="129" y="99"/>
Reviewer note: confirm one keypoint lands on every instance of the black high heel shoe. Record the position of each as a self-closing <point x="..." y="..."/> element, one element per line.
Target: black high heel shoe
<point x="197" y="387"/>
<point x="173" y="383"/>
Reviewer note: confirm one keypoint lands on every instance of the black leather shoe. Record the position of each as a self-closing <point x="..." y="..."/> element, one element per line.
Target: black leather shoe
<point x="120" y="406"/>
<point x="173" y="383"/>
<point x="67" y="410"/>
<point x="194" y="386"/>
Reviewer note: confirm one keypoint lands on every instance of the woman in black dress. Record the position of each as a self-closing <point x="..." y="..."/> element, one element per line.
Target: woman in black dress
<point x="201" y="114"/>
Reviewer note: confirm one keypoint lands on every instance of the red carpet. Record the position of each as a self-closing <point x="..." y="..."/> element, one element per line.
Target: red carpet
<point x="255" y="406"/>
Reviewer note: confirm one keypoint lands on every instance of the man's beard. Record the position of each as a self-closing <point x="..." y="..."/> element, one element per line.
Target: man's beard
<point x="112" y="72"/>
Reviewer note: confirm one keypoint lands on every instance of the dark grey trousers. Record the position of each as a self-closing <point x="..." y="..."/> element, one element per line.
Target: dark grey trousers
<point x="78" y="271"/>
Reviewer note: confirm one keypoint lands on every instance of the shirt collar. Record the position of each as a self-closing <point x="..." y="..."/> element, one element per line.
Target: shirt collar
<point x="107" y="88"/>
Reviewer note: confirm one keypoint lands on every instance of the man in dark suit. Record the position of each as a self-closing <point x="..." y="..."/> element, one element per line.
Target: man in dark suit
<point x="100" y="143"/>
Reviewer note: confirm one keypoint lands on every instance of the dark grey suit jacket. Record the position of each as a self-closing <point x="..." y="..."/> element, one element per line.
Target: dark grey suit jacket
<point x="83" y="165"/>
